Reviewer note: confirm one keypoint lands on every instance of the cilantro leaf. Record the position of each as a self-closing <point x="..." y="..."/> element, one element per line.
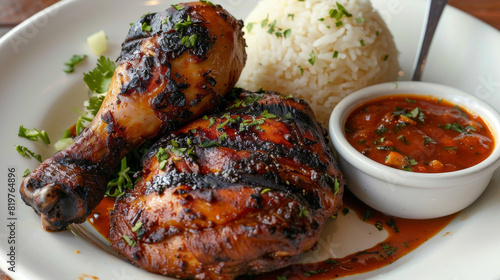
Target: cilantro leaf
<point x="99" y="78"/>
<point x="94" y="103"/>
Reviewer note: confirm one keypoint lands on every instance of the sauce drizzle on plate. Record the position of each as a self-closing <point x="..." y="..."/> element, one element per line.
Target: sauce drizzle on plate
<point x="405" y="235"/>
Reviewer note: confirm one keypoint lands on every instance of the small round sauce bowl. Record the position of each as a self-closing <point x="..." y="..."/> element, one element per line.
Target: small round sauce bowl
<point x="405" y="194"/>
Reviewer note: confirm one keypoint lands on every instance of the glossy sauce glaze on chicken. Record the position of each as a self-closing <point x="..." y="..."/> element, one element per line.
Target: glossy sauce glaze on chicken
<point x="243" y="191"/>
<point x="174" y="66"/>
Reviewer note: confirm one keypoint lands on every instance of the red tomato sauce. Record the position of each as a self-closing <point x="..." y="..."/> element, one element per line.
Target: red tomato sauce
<point x="405" y="235"/>
<point x="420" y="134"/>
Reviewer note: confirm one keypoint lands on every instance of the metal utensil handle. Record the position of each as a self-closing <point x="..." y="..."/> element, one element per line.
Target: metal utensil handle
<point x="433" y="13"/>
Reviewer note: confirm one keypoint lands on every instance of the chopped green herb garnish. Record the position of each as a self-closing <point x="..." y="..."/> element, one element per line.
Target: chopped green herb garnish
<point x="174" y="143"/>
<point x="271" y="27"/>
<point x="74" y="60"/>
<point x="391" y="223"/>
<point x="207" y="2"/>
<point x="410" y="100"/>
<point x="251" y="122"/>
<point x="223" y="137"/>
<point x="379" y="226"/>
<point x="335" y="54"/>
<point x="301" y="70"/>
<point x="360" y="20"/>
<point x="27" y="153"/>
<point x="388" y="249"/>
<point x="402" y="138"/>
<point x="191" y="153"/>
<point x="177" y="151"/>
<point x="131" y="242"/>
<point x="345" y="211"/>
<point x="177" y="7"/>
<point x="122" y="182"/>
<point x="264" y="191"/>
<point x="312" y="58"/>
<point x="34" y="134"/>
<point x="137" y="226"/>
<point x="379" y="141"/>
<point x="208" y="143"/>
<point x="381" y="130"/>
<point x="26" y="172"/>
<point x="331" y="261"/>
<point x="264" y="22"/>
<point x="339" y="12"/>
<point x="146" y="27"/>
<point x="212" y="122"/>
<point x="362" y="42"/>
<point x="453" y="148"/>
<point x="412" y="162"/>
<point x="385" y="57"/>
<point x="162" y="156"/>
<point x="183" y="24"/>
<point x="267" y="115"/>
<point x="190" y="41"/>
<point x="336" y="187"/>
<point x="250" y="27"/>
<point x="428" y="140"/>
<point x="303" y="212"/>
<point x="457" y="127"/>
<point x="291" y="16"/>
<point x="287" y="33"/>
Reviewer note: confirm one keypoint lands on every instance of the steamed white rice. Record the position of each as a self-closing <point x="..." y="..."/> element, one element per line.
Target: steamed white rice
<point x="295" y="47"/>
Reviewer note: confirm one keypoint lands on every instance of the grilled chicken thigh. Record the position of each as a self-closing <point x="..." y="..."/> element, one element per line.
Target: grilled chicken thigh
<point x="243" y="191"/>
<point x="174" y="66"/>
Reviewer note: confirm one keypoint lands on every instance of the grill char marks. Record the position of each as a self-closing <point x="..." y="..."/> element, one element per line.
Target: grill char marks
<point x="158" y="85"/>
<point x="245" y="190"/>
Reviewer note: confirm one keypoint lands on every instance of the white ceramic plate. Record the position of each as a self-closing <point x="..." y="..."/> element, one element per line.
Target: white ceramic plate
<point x="35" y="92"/>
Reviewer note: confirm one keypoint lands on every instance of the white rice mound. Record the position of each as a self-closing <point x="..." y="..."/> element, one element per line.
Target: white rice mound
<point x="279" y="60"/>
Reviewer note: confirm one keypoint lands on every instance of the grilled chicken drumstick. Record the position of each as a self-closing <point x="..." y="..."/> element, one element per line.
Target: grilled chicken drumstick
<point x="243" y="191"/>
<point x="174" y="66"/>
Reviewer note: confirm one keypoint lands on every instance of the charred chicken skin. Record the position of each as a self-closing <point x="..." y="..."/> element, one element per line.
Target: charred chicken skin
<point x="174" y="66"/>
<point x="243" y="191"/>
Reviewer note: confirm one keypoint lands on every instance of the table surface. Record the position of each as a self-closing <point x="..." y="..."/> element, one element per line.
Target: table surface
<point x="12" y="12"/>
